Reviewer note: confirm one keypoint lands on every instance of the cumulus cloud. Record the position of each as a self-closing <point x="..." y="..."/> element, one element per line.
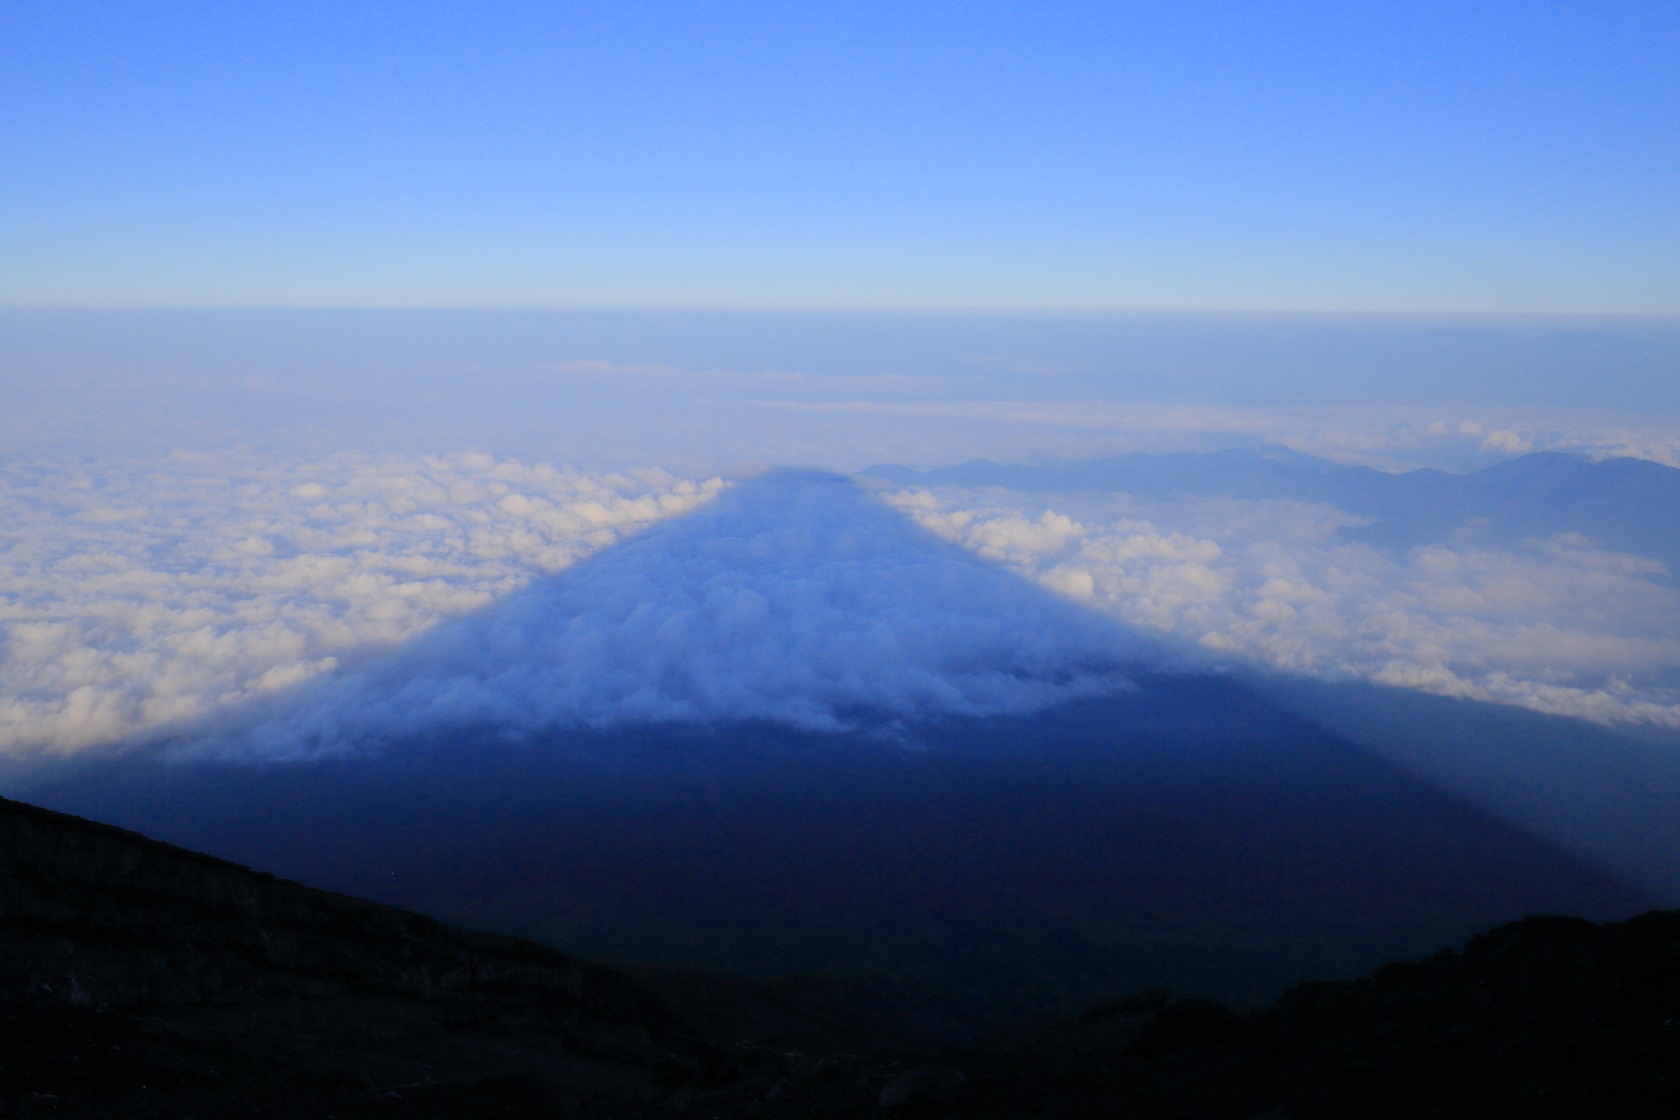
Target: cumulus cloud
<point x="140" y="593"/>
<point x="793" y="598"/>
<point x="1558" y="625"/>
<point x="306" y="605"/>
<point x="1507" y="442"/>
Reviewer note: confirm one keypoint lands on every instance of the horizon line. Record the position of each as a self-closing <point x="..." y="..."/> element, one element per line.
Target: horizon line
<point x="1024" y="311"/>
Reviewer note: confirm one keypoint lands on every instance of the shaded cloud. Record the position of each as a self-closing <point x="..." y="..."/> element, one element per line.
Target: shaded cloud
<point x="152" y="594"/>
<point x="141" y="588"/>
<point x="793" y="598"/>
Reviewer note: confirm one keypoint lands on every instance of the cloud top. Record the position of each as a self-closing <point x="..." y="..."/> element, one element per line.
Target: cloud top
<point x="291" y="606"/>
<point x="1556" y="623"/>
<point x="139" y="593"/>
<point x="794" y="597"/>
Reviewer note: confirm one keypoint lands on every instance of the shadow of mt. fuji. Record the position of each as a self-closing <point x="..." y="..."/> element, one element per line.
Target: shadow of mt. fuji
<point x="793" y="597"/>
<point x="1190" y="835"/>
<point x="644" y="760"/>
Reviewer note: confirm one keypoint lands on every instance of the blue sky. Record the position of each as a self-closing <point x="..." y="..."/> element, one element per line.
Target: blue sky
<point x="1365" y="156"/>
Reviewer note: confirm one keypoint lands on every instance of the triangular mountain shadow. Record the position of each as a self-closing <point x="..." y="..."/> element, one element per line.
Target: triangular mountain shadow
<point x="794" y="597"/>
<point x="1188" y="835"/>
<point x="699" y="778"/>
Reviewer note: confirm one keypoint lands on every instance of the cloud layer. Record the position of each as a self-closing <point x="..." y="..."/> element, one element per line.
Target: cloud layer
<point x="295" y="598"/>
<point x="138" y="594"/>
<point x="793" y="597"/>
<point x="1389" y="438"/>
<point x="1559" y="625"/>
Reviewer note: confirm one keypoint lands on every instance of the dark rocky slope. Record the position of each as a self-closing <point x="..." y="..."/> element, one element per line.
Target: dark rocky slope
<point x="185" y="967"/>
<point x="142" y="980"/>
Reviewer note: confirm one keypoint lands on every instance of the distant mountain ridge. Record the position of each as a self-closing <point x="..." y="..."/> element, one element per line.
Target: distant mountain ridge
<point x="1627" y="505"/>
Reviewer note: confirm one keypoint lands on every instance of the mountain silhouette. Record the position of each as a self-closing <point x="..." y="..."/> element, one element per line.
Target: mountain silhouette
<point x="1542" y="494"/>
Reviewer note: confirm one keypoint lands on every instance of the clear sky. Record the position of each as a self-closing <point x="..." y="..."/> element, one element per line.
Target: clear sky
<point x="1464" y="156"/>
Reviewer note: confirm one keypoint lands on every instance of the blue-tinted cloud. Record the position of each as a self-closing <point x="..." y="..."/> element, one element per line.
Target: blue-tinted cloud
<point x="144" y="594"/>
<point x="794" y="597"/>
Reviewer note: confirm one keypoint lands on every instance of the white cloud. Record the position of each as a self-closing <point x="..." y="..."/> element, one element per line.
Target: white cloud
<point x="140" y="593"/>
<point x="1558" y="625"/>
<point x="145" y="594"/>
<point x="1507" y="442"/>
<point x="794" y="598"/>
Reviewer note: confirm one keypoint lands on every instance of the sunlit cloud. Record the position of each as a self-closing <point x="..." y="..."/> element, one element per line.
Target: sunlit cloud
<point x="139" y="594"/>
<point x="1555" y="624"/>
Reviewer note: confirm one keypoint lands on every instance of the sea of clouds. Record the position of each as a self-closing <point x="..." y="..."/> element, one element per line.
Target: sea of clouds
<point x="791" y="597"/>
<point x="259" y="520"/>
<point x="250" y="603"/>
<point x="138" y="594"/>
<point x="1555" y="624"/>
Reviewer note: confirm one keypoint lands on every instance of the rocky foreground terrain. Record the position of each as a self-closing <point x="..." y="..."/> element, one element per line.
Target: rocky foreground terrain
<point x="142" y="980"/>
